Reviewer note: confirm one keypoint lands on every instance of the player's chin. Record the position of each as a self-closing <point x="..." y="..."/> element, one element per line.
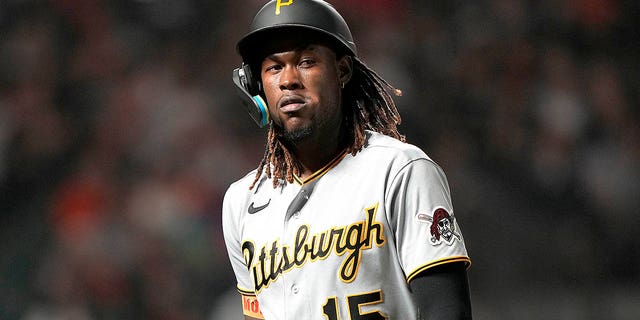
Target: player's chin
<point x="297" y="133"/>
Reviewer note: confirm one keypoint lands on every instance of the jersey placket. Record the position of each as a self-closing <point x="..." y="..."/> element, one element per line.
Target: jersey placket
<point x="293" y="294"/>
<point x="299" y="201"/>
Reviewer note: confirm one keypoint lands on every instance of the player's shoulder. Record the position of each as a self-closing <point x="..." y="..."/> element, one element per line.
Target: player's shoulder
<point x="240" y="187"/>
<point x="247" y="179"/>
<point x="240" y="190"/>
<point x="236" y="200"/>
<point x="382" y="144"/>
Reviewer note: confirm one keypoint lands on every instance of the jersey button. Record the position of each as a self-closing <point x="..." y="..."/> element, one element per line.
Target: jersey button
<point x="295" y="289"/>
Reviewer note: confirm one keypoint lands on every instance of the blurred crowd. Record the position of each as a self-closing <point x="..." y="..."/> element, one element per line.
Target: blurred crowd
<point x="120" y="132"/>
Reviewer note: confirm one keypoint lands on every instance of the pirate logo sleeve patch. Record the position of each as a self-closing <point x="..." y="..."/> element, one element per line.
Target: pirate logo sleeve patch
<point x="443" y="227"/>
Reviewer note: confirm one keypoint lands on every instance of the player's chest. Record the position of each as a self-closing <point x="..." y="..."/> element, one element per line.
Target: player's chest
<point x="307" y="229"/>
<point x="299" y="212"/>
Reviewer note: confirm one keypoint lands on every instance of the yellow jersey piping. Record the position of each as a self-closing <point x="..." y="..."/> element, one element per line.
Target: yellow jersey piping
<point x="321" y="171"/>
<point x="246" y="292"/>
<point x="439" y="262"/>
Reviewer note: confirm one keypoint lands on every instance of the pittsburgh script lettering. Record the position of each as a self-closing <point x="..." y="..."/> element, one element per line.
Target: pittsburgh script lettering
<point x="274" y="259"/>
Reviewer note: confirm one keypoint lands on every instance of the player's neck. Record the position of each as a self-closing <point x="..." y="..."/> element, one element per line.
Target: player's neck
<point x="315" y="154"/>
<point x="313" y="163"/>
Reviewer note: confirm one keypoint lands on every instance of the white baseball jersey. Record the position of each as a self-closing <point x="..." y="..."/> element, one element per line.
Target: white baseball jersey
<point x="345" y="242"/>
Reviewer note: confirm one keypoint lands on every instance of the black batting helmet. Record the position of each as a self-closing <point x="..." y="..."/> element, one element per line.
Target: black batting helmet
<point x="278" y="17"/>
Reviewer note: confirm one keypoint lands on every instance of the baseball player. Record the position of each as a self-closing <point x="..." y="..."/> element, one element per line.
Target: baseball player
<point x="342" y="219"/>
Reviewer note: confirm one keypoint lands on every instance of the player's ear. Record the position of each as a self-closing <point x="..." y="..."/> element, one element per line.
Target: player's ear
<point x="345" y="69"/>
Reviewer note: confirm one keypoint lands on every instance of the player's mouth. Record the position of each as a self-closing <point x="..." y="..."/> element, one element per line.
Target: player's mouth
<point x="292" y="103"/>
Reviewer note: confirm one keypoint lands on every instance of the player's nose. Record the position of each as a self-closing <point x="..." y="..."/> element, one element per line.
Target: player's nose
<point x="289" y="78"/>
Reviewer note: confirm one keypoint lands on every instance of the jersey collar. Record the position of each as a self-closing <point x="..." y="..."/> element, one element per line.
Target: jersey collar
<point x="322" y="171"/>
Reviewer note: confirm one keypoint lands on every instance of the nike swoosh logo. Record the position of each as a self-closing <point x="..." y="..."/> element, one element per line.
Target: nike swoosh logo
<point x="253" y="209"/>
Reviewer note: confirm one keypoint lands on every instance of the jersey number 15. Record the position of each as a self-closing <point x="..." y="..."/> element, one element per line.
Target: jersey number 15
<point x="332" y="312"/>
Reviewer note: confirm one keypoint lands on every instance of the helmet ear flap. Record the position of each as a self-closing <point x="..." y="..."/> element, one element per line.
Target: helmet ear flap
<point x="253" y="85"/>
<point x="249" y="89"/>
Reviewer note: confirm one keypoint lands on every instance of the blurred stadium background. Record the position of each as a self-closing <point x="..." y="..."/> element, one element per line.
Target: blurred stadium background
<point x="119" y="133"/>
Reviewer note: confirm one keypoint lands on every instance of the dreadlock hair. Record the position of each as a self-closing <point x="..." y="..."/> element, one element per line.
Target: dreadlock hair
<point x="367" y="105"/>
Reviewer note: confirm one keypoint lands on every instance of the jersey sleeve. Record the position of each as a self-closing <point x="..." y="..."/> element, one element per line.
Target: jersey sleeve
<point x="232" y="218"/>
<point x="421" y="216"/>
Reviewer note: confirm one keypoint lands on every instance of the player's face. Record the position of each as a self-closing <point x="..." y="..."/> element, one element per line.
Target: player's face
<point x="302" y="87"/>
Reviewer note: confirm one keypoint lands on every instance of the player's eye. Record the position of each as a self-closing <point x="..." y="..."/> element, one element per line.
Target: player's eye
<point x="272" y="67"/>
<point x="306" y="63"/>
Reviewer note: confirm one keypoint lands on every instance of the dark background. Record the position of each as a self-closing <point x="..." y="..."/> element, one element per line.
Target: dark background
<point x="120" y="132"/>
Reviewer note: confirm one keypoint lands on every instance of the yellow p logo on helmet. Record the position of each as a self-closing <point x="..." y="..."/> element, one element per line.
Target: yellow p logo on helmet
<point x="279" y="4"/>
